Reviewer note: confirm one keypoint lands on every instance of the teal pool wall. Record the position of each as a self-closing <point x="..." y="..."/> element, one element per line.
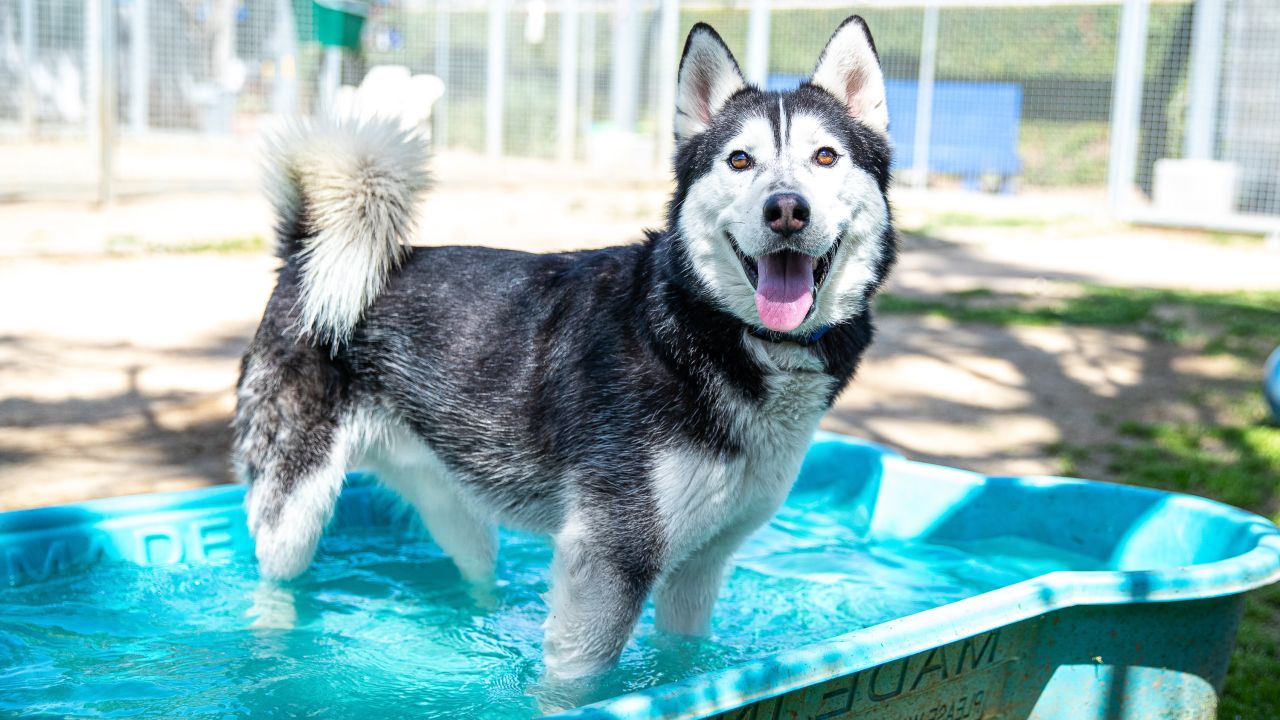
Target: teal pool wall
<point x="1148" y="634"/>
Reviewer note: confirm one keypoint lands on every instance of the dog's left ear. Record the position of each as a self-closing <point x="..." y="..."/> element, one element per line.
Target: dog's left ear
<point x="850" y="69"/>
<point x="708" y="77"/>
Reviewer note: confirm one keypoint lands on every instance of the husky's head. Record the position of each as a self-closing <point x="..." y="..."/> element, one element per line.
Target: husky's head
<point x="780" y="197"/>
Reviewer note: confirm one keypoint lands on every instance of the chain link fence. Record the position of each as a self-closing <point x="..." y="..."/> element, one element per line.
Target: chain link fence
<point x="1168" y="109"/>
<point x="1207" y="127"/>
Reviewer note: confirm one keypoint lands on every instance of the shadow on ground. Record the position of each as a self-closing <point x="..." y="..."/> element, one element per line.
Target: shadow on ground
<point x="998" y="399"/>
<point x="122" y="433"/>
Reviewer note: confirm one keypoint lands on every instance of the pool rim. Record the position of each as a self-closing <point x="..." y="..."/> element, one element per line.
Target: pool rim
<point x="786" y="671"/>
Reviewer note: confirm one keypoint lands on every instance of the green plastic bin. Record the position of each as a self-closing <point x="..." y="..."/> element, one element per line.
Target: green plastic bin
<point x="332" y="23"/>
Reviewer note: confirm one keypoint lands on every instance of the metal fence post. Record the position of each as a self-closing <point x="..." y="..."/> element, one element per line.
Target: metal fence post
<point x="1126" y="104"/>
<point x="107" y="104"/>
<point x="1206" y="66"/>
<point x="224" y="54"/>
<point x="622" y="98"/>
<point x="330" y="79"/>
<point x="566" y="117"/>
<point x="668" y="66"/>
<point x="28" y="67"/>
<point x="625" y="66"/>
<point x="495" y="78"/>
<point x="284" y="88"/>
<point x="139" y="65"/>
<point x="99" y="70"/>
<point x="924" y="95"/>
<point x="440" y="138"/>
<point x="587" y="90"/>
<point x="92" y="71"/>
<point x="758" y="43"/>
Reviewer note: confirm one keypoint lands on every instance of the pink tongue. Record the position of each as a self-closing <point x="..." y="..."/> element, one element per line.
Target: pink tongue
<point x="784" y="292"/>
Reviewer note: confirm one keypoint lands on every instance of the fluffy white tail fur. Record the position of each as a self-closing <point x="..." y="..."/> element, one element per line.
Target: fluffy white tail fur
<point x="345" y="195"/>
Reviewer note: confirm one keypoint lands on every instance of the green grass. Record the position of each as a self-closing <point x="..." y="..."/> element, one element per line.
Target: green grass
<point x="1234" y="239"/>
<point x="1062" y="57"/>
<point x="1245" y="323"/>
<point x="940" y="222"/>
<point x="133" y="245"/>
<point x="1237" y="461"/>
<point x="1233" y="455"/>
<point x="974" y="43"/>
<point x="1253" y="690"/>
<point x="959" y="219"/>
<point x="1067" y="153"/>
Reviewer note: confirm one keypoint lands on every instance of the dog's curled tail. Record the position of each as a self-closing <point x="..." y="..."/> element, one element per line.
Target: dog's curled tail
<point x="345" y="194"/>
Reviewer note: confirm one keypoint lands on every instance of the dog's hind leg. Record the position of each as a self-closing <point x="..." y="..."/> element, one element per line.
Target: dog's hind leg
<point x="289" y="503"/>
<point x="294" y="481"/>
<point x="291" y="447"/>
<point x="464" y="534"/>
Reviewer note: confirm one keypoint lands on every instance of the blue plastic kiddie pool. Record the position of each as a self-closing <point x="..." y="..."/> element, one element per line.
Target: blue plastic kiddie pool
<point x="885" y="588"/>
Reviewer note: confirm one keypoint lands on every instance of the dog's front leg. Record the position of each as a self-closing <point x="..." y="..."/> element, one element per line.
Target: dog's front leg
<point x="686" y="597"/>
<point x="597" y="590"/>
<point x="687" y="594"/>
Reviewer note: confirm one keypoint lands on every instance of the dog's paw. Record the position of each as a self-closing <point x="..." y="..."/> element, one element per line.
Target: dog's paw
<point x="556" y="695"/>
<point x="484" y="593"/>
<point x="272" y="608"/>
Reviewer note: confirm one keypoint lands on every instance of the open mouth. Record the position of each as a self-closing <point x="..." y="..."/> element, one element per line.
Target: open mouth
<point x="786" y="284"/>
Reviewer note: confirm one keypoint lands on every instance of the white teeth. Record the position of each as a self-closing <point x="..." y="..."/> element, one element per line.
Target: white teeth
<point x="813" y="263"/>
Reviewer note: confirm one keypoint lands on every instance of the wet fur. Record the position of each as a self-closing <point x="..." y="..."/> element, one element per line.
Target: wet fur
<point x="614" y="399"/>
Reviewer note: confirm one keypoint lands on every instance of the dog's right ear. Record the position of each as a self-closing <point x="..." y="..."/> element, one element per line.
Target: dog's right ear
<point x="709" y="76"/>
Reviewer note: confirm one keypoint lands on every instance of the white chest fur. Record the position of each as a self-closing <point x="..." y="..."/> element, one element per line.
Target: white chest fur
<point x="703" y="498"/>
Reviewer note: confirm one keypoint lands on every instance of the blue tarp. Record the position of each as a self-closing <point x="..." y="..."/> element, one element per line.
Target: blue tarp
<point x="974" y="131"/>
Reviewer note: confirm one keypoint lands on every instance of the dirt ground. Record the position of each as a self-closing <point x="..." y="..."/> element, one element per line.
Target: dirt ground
<point x="119" y="342"/>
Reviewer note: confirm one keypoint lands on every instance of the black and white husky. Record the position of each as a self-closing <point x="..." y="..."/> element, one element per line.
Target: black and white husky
<point x="647" y="406"/>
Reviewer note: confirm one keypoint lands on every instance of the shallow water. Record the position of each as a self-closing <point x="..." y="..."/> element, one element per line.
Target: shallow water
<point x="385" y="626"/>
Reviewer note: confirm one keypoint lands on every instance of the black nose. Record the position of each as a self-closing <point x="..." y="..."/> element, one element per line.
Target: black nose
<point x="786" y="213"/>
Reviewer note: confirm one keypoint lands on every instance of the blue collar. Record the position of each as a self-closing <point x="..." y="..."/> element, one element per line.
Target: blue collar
<point x="777" y="337"/>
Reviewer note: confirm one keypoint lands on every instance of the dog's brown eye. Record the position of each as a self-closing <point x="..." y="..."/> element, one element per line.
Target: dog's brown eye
<point x="825" y="157"/>
<point x="739" y="160"/>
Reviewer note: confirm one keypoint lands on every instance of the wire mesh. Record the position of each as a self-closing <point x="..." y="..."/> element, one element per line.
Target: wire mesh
<point x="42" y="64"/>
<point x="1007" y="95"/>
<point x="1208" y="138"/>
<point x="1250" y="131"/>
<point x="1060" y="61"/>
